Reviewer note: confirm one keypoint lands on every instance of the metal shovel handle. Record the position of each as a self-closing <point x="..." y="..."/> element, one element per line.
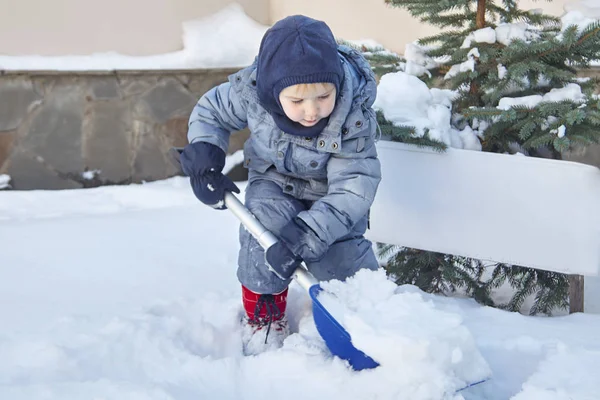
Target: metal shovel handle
<point x="265" y="237"/>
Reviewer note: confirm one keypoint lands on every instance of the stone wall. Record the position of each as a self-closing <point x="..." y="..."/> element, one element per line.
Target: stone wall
<point x="116" y="126"/>
<point x="62" y="130"/>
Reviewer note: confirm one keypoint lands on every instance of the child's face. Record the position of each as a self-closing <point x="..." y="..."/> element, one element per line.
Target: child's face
<point x="308" y="103"/>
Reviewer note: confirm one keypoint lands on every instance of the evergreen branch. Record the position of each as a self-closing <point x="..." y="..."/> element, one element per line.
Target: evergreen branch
<point x="407" y="134"/>
<point x="456" y="20"/>
<point x="587" y="36"/>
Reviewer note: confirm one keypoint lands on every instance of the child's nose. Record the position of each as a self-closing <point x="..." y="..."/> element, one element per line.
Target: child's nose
<point x="311" y="108"/>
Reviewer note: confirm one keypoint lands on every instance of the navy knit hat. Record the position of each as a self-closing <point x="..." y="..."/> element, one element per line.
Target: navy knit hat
<point x="296" y="50"/>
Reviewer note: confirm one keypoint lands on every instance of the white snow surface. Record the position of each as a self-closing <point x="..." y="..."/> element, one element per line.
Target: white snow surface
<point x="129" y="292"/>
<point x="228" y="38"/>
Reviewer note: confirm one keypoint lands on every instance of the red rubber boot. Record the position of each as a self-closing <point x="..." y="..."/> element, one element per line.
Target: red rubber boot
<point x="264" y="311"/>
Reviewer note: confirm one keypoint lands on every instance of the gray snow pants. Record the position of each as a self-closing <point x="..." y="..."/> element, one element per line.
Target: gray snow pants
<point x="273" y="208"/>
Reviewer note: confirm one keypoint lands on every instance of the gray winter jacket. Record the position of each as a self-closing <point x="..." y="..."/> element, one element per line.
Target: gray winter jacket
<point x="338" y="170"/>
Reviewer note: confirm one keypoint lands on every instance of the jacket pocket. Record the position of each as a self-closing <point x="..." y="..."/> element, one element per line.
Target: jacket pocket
<point x="309" y="162"/>
<point x="252" y="160"/>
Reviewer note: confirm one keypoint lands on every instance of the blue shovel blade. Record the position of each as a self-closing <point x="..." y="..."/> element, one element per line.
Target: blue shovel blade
<point x="336" y="338"/>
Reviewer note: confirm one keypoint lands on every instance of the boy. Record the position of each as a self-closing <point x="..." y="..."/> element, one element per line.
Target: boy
<point x="313" y="167"/>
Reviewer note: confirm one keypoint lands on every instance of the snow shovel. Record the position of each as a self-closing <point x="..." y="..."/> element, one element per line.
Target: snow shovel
<point x="336" y="338"/>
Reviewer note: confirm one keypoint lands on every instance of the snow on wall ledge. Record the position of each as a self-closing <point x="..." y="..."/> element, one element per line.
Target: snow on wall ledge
<point x="226" y="39"/>
<point x="517" y="210"/>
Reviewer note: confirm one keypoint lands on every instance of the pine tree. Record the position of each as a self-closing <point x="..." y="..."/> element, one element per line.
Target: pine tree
<point x="515" y="73"/>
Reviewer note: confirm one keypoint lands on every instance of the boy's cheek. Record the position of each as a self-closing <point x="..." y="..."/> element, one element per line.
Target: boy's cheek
<point x="292" y="115"/>
<point x="332" y="107"/>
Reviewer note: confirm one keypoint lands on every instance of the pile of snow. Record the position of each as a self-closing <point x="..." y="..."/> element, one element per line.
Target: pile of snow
<point x="581" y="13"/>
<point x="4" y="181"/>
<point x="422" y="346"/>
<point x="130" y="292"/>
<point x="405" y="100"/>
<point x="228" y="38"/>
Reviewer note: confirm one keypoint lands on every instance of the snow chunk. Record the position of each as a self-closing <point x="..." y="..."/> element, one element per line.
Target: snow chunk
<point x="470" y="140"/>
<point x="506" y="103"/>
<point x="4" y="181"/>
<point x="468" y="65"/>
<point x="474" y="52"/>
<point x="89" y="175"/>
<point x="501" y="71"/>
<point x="571" y="91"/>
<point x="560" y="131"/>
<point x="228" y="38"/>
<point x="417" y="61"/>
<point x="408" y="335"/>
<point x="485" y="35"/>
<point x="505" y="33"/>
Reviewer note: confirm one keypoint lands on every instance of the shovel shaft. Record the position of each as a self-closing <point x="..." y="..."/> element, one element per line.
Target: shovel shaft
<point x="260" y="233"/>
<point x="264" y="236"/>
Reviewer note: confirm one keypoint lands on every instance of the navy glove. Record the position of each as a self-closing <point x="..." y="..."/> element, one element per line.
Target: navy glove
<point x="297" y="242"/>
<point x="281" y="261"/>
<point x="203" y="163"/>
<point x="302" y="241"/>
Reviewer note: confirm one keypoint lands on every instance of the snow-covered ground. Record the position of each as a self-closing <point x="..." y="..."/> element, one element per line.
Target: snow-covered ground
<point x="130" y="292"/>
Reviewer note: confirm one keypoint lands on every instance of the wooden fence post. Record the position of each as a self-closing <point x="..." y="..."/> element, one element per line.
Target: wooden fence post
<point x="576" y="289"/>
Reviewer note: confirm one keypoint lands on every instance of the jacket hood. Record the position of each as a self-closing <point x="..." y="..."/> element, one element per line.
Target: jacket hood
<point x="364" y="83"/>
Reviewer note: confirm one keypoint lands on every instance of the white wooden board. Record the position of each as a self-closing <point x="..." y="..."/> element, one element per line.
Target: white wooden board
<point x="505" y="208"/>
